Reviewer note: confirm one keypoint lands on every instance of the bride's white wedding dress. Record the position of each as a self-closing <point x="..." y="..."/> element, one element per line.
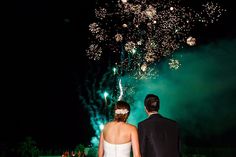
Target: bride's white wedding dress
<point x="117" y="150"/>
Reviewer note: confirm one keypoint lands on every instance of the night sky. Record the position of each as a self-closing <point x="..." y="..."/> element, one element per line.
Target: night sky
<point x="45" y="67"/>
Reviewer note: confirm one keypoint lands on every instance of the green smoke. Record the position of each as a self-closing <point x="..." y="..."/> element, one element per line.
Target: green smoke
<point x="200" y="94"/>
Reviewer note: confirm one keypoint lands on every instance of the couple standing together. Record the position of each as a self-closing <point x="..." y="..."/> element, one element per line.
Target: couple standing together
<point x="156" y="136"/>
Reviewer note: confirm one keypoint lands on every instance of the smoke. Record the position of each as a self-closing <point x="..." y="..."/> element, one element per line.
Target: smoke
<point x="199" y="95"/>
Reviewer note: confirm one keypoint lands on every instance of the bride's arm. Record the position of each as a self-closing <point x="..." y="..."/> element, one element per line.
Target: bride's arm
<point x="135" y="142"/>
<point x="100" y="147"/>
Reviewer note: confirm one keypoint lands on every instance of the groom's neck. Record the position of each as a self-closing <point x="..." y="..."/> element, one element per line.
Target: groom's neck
<point x="151" y="113"/>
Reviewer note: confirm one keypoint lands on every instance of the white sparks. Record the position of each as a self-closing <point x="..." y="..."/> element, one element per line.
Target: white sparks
<point x="121" y="90"/>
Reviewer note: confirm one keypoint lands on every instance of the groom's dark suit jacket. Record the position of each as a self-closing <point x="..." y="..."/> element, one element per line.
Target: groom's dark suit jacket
<point x="159" y="137"/>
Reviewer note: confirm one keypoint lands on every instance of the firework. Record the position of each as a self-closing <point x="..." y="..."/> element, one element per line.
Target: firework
<point x="118" y="37"/>
<point x="174" y="64"/>
<point x="191" y="41"/>
<point x="100" y="13"/>
<point x="94" y="28"/>
<point x="129" y="46"/>
<point x="145" y="31"/>
<point x="94" y="52"/>
<point x="144" y="67"/>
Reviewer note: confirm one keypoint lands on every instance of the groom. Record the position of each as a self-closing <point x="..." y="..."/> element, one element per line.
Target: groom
<point x="158" y="136"/>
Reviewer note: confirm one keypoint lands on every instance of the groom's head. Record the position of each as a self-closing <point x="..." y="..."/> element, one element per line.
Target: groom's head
<point x="152" y="103"/>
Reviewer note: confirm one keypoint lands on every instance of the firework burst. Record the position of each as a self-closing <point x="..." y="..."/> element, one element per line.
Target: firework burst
<point x="152" y="29"/>
<point x="145" y="31"/>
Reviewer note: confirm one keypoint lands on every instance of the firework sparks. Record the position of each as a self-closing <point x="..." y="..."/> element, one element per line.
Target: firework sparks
<point x="174" y="64"/>
<point x="100" y="13"/>
<point x="191" y="41"/>
<point x="129" y="46"/>
<point x="145" y="31"/>
<point x="94" y="28"/>
<point x="118" y="37"/>
<point x="121" y="90"/>
<point x="94" y="52"/>
<point x="144" y="67"/>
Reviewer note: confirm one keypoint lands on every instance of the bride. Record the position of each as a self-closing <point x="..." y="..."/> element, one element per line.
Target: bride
<point x="118" y="137"/>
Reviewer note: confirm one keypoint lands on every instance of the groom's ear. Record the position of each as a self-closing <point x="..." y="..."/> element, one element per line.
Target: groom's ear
<point x="145" y="109"/>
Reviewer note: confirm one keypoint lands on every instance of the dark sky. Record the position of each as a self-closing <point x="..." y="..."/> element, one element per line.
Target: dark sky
<point x="43" y="69"/>
<point x="45" y="64"/>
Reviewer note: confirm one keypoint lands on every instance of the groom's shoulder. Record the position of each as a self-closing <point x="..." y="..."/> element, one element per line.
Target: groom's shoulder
<point x="143" y="121"/>
<point x="168" y="119"/>
<point x="158" y="118"/>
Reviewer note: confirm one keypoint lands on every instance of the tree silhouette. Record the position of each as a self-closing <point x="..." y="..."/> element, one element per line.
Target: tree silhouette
<point x="28" y="148"/>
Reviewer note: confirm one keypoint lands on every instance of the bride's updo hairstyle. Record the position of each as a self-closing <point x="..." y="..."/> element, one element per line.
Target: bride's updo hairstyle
<point x="122" y="110"/>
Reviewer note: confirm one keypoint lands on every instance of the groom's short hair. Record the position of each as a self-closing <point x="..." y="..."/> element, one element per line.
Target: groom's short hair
<point x="152" y="102"/>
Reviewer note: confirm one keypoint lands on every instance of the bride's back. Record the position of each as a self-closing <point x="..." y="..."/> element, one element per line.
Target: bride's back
<point x="117" y="132"/>
<point x="118" y="137"/>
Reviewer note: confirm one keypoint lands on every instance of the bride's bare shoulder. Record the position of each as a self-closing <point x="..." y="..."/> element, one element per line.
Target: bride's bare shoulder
<point x="131" y="126"/>
<point x="108" y="124"/>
